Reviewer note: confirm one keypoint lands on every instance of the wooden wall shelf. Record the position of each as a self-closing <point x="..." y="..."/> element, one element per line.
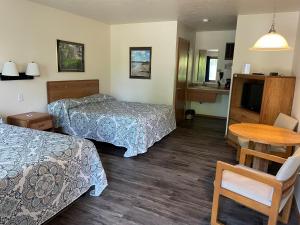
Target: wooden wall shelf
<point x="22" y="76"/>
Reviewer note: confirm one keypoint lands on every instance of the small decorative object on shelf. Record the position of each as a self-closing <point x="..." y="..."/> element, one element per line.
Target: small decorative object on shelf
<point x="274" y="74"/>
<point x="247" y="69"/>
<point x="221" y="75"/>
<point x="227" y="85"/>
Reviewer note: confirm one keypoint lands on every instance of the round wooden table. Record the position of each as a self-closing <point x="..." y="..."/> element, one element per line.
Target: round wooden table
<point x="265" y="135"/>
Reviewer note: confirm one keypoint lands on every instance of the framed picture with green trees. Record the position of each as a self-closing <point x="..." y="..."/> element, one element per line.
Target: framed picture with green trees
<point x="70" y="56"/>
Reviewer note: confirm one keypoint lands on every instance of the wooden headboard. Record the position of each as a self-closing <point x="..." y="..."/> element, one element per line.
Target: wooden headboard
<point x="57" y="90"/>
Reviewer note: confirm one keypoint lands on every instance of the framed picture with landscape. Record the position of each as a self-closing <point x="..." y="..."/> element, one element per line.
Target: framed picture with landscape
<point x="140" y="62"/>
<point x="70" y="56"/>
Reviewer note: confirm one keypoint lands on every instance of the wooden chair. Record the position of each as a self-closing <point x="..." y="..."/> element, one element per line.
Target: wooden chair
<point x="282" y="121"/>
<point x="265" y="193"/>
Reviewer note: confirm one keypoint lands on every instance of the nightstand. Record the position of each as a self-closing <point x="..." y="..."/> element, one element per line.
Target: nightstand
<point x="33" y="120"/>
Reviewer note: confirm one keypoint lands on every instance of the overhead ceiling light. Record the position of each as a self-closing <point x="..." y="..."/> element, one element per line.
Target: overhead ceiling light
<point x="271" y="41"/>
<point x="205" y="20"/>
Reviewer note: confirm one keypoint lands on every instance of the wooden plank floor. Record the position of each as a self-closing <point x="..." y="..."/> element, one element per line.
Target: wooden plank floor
<point x="170" y="184"/>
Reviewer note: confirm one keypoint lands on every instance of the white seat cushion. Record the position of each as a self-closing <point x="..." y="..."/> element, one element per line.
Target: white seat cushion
<point x="285" y="121"/>
<point x="280" y="149"/>
<point x="249" y="188"/>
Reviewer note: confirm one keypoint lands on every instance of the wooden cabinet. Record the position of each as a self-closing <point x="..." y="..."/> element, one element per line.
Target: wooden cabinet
<point x="33" y="120"/>
<point x="277" y="97"/>
<point x="244" y="115"/>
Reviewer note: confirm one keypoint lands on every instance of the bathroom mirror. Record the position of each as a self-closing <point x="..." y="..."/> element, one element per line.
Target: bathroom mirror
<point x="207" y="65"/>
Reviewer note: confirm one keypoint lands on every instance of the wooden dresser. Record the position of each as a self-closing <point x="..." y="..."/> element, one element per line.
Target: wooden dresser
<point x="277" y="97"/>
<point x="33" y="120"/>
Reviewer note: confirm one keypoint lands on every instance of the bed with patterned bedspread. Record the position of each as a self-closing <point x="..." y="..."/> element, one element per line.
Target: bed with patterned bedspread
<point x="41" y="173"/>
<point x="135" y="126"/>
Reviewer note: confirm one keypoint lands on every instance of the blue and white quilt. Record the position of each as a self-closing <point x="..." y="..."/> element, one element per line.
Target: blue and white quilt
<point x="41" y="173"/>
<point x="135" y="126"/>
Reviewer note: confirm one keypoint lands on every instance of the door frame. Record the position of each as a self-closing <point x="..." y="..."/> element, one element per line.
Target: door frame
<point x="179" y="39"/>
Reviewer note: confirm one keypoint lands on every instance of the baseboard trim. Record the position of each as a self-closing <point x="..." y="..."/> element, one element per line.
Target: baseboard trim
<point x="211" y="116"/>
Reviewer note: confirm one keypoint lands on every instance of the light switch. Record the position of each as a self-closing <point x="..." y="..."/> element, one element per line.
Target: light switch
<point x="20" y="97"/>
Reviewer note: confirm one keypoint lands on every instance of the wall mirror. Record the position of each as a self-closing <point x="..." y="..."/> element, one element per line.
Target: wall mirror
<point x="211" y="67"/>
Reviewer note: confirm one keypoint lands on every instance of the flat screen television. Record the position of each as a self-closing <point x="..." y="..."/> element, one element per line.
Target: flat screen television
<point x="252" y="96"/>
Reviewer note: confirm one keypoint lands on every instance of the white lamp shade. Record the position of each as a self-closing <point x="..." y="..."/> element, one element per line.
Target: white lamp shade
<point x="10" y="69"/>
<point x="32" y="69"/>
<point x="271" y="42"/>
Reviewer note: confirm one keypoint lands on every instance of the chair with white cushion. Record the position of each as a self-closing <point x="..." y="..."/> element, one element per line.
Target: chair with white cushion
<point x="287" y="122"/>
<point x="265" y="193"/>
<point x="282" y="121"/>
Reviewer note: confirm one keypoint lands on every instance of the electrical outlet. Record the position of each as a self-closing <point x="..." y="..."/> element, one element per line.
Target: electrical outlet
<point x="20" y="97"/>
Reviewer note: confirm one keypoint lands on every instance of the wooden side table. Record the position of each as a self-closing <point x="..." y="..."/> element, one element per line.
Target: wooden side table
<point x="33" y="120"/>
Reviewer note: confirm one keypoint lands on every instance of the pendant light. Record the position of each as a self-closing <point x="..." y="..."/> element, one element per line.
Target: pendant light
<point x="271" y="41"/>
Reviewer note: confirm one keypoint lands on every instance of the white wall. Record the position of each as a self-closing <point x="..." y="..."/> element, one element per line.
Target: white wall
<point x="296" y="105"/>
<point x="250" y="28"/>
<point x="206" y="40"/>
<point x="29" y="32"/>
<point x="162" y="37"/>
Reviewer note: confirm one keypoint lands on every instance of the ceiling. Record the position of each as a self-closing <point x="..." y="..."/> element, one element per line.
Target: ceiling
<point x="221" y="13"/>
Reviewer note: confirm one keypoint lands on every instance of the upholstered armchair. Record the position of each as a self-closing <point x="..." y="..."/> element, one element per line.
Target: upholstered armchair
<point x="265" y="193"/>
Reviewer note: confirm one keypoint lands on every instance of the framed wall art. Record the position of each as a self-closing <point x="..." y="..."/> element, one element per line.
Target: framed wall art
<point x="70" y="56"/>
<point x="140" y="62"/>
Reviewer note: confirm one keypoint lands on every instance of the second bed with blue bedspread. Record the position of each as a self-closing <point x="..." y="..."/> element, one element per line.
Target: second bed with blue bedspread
<point x="135" y="126"/>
